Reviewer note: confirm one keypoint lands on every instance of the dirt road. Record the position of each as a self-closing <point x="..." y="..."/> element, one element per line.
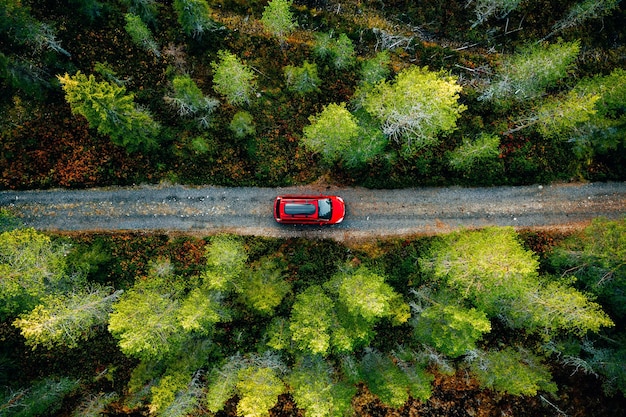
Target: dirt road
<point x="210" y="210"/>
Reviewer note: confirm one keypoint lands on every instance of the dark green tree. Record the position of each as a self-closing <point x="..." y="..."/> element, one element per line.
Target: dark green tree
<point x="338" y="51"/>
<point x="303" y="79"/>
<point x="317" y="389"/>
<point x="194" y="17"/>
<point x="597" y="258"/>
<point x="110" y="110"/>
<point x="43" y="398"/>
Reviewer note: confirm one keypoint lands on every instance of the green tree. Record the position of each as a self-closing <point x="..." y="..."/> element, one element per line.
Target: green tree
<point x="95" y="405"/>
<point x="492" y="269"/>
<point x="43" y="398"/>
<point x="561" y="116"/>
<point x="526" y="74"/>
<point x="312" y="319"/>
<point x="316" y="390"/>
<point x="65" y="320"/>
<point x="145" y="321"/>
<point x="451" y="329"/>
<point x="375" y="69"/>
<point x="242" y="125"/>
<point x="303" y="79"/>
<point x="263" y="287"/>
<point x="584" y="11"/>
<point x="597" y="258"/>
<point x="233" y="79"/>
<point x="200" y="310"/>
<point x="258" y="389"/>
<point x="141" y="34"/>
<point x="110" y="110"/>
<point x="31" y="267"/>
<point x="194" y="17"/>
<point x="365" y="294"/>
<point x="176" y="395"/>
<point x="390" y="383"/>
<point x="515" y="372"/>
<point x="339" y="51"/>
<point x="332" y="133"/>
<point x="223" y="382"/>
<point x="226" y="260"/>
<point x="188" y="100"/>
<point x="474" y="152"/>
<point x="278" y="19"/>
<point x="606" y="128"/>
<point x="416" y="107"/>
<point x="343" y="317"/>
<point x="255" y="379"/>
<point x="147" y="10"/>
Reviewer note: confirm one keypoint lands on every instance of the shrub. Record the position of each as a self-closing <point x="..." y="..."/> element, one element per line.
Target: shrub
<point x="375" y="69"/>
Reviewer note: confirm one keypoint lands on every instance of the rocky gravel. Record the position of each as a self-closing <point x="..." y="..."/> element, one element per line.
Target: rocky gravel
<point x="370" y="213"/>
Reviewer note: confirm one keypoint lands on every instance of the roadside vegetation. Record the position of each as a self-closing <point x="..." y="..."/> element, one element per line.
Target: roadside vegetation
<point x="281" y="92"/>
<point x="471" y="323"/>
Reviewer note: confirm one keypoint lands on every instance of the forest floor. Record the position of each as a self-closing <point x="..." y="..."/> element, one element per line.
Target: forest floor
<point x="370" y="213"/>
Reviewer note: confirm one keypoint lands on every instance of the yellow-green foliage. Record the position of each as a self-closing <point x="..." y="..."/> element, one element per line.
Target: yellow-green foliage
<point x="233" y="79"/>
<point x="450" y="329"/>
<point x="416" y="107"/>
<point x="65" y="320"/>
<point x="31" y="266"/>
<point x="278" y="19"/>
<point x="492" y="269"/>
<point x="258" y="389"/>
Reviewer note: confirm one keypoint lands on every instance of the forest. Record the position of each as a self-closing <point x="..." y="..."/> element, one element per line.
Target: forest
<point x="371" y="93"/>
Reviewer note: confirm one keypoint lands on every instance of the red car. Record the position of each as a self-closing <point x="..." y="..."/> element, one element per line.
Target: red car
<point x="309" y="209"/>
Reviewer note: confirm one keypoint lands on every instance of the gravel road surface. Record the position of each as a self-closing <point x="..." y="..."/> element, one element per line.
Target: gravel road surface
<point x="370" y="213"/>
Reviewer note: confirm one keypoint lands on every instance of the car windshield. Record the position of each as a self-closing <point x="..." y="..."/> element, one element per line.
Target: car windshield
<point x="325" y="208"/>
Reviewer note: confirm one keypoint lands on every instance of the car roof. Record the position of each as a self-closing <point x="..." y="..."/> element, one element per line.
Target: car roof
<point x="299" y="208"/>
